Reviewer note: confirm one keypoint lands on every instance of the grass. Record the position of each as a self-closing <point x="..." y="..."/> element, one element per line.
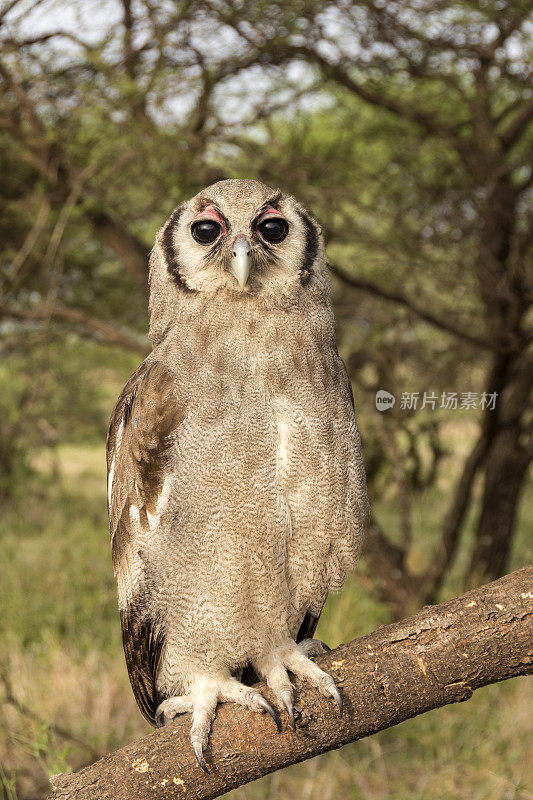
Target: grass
<point x="62" y="655"/>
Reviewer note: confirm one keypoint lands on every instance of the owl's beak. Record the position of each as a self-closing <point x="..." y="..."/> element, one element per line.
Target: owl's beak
<point x="241" y="262"/>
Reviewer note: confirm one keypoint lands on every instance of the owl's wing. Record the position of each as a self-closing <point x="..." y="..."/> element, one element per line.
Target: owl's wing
<point x="145" y="418"/>
<point x="310" y="620"/>
<point x="308" y="627"/>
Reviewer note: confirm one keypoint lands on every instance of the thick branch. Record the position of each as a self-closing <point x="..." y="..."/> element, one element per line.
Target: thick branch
<point x="518" y="124"/>
<point x="437" y="657"/>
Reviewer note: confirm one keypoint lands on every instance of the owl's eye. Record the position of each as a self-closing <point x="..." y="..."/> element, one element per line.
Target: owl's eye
<point x="205" y="231"/>
<point x="273" y="230"/>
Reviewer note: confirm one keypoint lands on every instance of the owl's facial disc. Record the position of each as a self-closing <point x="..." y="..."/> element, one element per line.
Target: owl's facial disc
<point x="238" y="240"/>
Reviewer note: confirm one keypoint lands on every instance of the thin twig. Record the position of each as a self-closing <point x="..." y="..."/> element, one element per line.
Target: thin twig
<point x="30" y="240"/>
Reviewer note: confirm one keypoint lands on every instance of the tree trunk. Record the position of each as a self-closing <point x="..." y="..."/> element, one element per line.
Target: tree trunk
<point x="506" y="462"/>
<point x="391" y="581"/>
<point x="505" y="475"/>
<point x="437" y="657"/>
<point x="501" y="272"/>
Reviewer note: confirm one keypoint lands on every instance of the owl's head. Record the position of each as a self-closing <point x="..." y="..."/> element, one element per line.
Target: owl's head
<point x="241" y="240"/>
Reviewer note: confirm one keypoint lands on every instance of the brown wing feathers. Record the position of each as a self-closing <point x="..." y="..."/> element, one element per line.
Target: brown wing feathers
<point x="146" y="415"/>
<point x="143" y="639"/>
<point x="308" y="627"/>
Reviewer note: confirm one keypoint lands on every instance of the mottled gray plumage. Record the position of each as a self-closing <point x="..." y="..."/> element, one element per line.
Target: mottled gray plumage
<point x="236" y="483"/>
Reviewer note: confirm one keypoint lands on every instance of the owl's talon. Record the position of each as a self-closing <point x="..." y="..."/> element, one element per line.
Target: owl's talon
<point x="168" y="710"/>
<point x="260" y="700"/>
<point x="162" y="719"/>
<point x="334" y="692"/>
<point x="286" y="697"/>
<point x="312" y="647"/>
<point x="198" y="752"/>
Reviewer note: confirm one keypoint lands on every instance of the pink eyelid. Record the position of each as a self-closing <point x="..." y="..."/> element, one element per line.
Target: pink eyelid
<point x="269" y="212"/>
<point x="210" y="213"/>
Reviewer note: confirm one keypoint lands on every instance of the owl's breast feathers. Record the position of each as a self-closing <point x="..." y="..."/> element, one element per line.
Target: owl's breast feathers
<point x="139" y="439"/>
<point x="242" y="458"/>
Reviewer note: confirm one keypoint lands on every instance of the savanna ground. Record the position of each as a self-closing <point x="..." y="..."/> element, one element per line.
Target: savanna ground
<point x="62" y="652"/>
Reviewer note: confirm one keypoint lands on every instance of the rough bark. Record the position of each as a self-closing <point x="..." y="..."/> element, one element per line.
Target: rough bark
<point x="436" y="657"/>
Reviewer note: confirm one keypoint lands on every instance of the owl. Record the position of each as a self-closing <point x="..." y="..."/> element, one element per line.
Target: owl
<point x="236" y="485"/>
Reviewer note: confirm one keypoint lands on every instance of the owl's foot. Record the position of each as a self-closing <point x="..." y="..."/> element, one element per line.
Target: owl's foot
<point x="313" y="647"/>
<point x="294" y="658"/>
<point x="204" y="695"/>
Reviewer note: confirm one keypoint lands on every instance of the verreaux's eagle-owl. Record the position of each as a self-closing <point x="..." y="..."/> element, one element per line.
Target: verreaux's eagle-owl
<point x="237" y="495"/>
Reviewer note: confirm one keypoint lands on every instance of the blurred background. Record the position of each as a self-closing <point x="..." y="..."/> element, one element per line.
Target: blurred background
<point x="407" y="129"/>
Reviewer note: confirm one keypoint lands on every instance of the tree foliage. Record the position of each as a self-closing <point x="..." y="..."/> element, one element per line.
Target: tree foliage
<point x="405" y="127"/>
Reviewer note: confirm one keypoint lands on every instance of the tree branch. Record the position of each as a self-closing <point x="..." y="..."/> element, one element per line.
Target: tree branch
<point x="77" y="317"/>
<point x="401" y="299"/>
<point x="127" y="247"/>
<point x="336" y="72"/>
<point x="437" y="657"/>
<point x="517" y="125"/>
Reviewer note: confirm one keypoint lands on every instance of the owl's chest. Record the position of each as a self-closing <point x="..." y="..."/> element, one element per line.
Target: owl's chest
<point x="265" y="403"/>
<point x="271" y="419"/>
